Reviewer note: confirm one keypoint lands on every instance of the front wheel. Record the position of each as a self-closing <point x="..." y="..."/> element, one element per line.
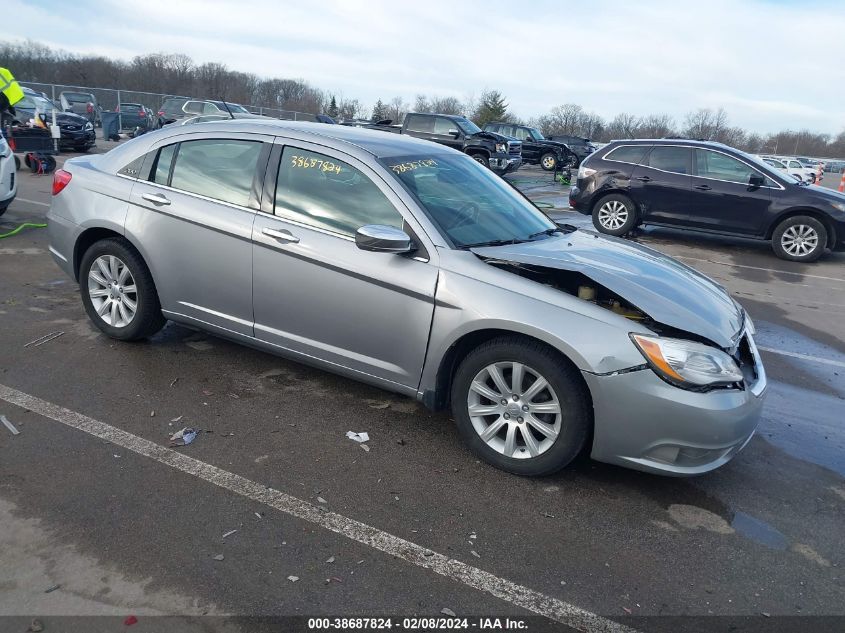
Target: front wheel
<point x="481" y="158"/>
<point x="118" y="291"/>
<point x="615" y="215"/>
<point x="521" y="407"/>
<point x="799" y="239"/>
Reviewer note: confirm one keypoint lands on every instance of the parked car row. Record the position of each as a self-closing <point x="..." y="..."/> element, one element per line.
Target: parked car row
<point x="77" y="131"/>
<point x="707" y="187"/>
<point x="803" y="171"/>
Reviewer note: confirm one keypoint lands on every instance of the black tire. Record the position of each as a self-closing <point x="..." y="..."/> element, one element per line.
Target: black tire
<point x="148" y="318"/>
<point x="626" y="215"/>
<point x="575" y="408"/>
<point x="797" y="226"/>
<point x="548" y="161"/>
<point x="481" y="158"/>
<point x="82" y="149"/>
<point x="17" y="162"/>
<point x="4" y="206"/>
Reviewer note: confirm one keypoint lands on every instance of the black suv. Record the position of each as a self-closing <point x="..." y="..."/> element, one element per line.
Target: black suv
<point x="708" y="187"/>
<point x="581" y="147"/>
<point x="536" y="149"/>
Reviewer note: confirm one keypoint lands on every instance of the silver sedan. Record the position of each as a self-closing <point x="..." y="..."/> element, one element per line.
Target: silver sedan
<point x="406" y="265"/>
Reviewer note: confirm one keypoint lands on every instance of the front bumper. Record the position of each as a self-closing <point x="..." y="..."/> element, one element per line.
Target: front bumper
<point x="644" y="423"/>
<point x="77" y="138"/>
<point x="505" y="163"/>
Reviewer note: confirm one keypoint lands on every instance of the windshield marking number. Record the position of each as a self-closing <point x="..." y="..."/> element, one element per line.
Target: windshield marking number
<point x="303" y="162"/>
<point x="401" y="168"/>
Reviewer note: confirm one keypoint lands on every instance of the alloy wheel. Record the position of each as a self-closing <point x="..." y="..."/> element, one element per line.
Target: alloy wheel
<point x="548" y="162"/>
<point x="613" y="215"/>
<point x="514" y="410"/>
<point x="799" y="240"/>
<point x="112" y="290"/>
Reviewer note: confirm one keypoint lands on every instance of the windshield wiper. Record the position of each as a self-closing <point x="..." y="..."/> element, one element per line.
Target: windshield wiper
<point x="557" y="229"/>
<point x="493" y="243"/>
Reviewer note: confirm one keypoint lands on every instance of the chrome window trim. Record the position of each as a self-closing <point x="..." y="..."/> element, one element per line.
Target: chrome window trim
<point x="694" y="147"/>
<point x="196" y="195"/>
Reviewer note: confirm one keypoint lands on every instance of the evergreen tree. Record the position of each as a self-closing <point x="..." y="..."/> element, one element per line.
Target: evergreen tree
<point x="379" y="111"/>
<point x="491" y="107"/>
<point x="333" y="108"/>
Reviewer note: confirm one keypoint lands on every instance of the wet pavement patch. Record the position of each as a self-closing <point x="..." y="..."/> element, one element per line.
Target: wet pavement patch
<point x="759" y="531"/>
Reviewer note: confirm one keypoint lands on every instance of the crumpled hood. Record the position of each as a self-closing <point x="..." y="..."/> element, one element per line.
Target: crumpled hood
<point x="493" y="136"/>
<point x="665" y="289"/>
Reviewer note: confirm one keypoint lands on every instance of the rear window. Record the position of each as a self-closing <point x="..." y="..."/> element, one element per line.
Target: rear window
<point x="173" y="106"/>
<point x="670" y="158"/>
<point x="627" y="154"/>
<point x="419" y="123"/>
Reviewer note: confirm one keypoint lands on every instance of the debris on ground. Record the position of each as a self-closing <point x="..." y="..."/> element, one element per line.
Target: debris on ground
<point x="260" y="459"/>
<point x="152" y="414"/>
<point x="627" y="610"/>
<point x="235" y="396"/>
<point x="229" y="533"/>
<point x="35" y="626"/>
<point x="183" y="437"/>
<point x="330" y="559"/>
<point x="130" y="620"/>
<point x="293" y="578"/>
<point x="358" y="437"/>
<point x="321" y="500"/>
<point x="218" y="557"/>
<point x="474" y="553"/>
<point x="551" y="488"/>
<point x="44" y="339"/>
<point x="333" y="579"/>
<point x="259" y="515"/>
<point x="379" y="405"/>
<point x="176" y="419"/>
<point x="9" y="425"/>
<point x="401" y="442"/>
<point x="365" y="447"/>
<point x="52" y="589"/>
<point x="448" y="612"/>
<point x="174" y="381"/>
<point x="547" y="515"/>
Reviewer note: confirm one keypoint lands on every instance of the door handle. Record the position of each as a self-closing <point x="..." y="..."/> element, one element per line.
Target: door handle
<point x="703" y="187"/>
<point x="155" y="198"/>
<point x="283" y="236"/>
<point x="644" y="179"/>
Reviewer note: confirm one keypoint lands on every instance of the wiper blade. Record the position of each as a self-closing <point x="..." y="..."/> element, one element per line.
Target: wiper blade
<point x="493" y="243"/>
<point x="558" y="229"/>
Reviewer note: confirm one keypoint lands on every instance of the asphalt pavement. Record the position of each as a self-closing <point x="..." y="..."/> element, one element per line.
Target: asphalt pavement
<point x="96" y="508"/>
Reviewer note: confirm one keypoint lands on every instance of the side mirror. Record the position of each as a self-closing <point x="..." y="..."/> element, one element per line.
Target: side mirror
<point x="380" y="238"/>
<point x="455" y="133"/>
<point x="756" y="180"/>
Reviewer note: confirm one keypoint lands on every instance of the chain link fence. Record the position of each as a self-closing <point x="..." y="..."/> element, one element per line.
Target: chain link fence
<point x="109" y="99"/>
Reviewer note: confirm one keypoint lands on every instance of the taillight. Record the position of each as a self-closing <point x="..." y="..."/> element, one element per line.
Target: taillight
<point x="161" y="112"/>
<point x="60" y="180"/>
<point x="13" y="145"/>
<point x="90" y="107"/>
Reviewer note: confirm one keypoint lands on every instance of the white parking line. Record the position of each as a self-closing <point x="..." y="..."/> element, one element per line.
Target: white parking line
<point x="40" y="204"/>
<point x="814" y="359"/>
<point x="768" y="270"/>
<point x="395" y="546"/>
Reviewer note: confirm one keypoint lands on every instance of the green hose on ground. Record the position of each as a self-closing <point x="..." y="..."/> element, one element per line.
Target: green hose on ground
<point x="21" y="227"/>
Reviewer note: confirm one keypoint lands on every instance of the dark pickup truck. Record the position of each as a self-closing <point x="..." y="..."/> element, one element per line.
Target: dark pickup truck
<point x="537" y="149"/>
<point x="499" y="153"/>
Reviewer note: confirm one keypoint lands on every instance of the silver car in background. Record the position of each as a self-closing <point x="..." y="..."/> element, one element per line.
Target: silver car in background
<point x="406" y="265"/>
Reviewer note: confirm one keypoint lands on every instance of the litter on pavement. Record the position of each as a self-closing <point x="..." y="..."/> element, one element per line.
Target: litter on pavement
<point x="9" y="425"/>
<point x="358" y="437"/>
<point x="229" y="533"/>
<point x="293" y="578"/>
<point x="183" y="437"/>
<point x="44" y="339"/>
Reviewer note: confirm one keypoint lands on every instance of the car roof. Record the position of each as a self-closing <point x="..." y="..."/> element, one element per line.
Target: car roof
<point x="671" y="141"/>
<point x="378" y="143"/>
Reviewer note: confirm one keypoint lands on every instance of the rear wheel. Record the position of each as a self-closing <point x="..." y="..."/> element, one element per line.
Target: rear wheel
<point x="800" y="238"/>
<point x="615" y="215"/>
<point x="520" y="406"/>
<point x="548" y="161"/>
<point x="118" y="291"/>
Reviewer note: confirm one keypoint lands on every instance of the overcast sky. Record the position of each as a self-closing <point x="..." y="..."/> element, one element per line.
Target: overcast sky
<point x="772" y="64"/>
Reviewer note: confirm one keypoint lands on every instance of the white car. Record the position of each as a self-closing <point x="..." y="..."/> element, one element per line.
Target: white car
<point x="8" y="177"/>
<point x="792" y="167"/>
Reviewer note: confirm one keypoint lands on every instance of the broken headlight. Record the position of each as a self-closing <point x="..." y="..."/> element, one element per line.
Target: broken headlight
<point x="688" y="364"/>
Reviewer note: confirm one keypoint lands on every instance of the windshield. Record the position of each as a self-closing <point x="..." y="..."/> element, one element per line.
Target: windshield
<point x="537" y="134"/>
<point x="468" y="203"/>
<point x="78" y="97"/>
<point x="32" y="102"/>
<point x="467" y="126"/>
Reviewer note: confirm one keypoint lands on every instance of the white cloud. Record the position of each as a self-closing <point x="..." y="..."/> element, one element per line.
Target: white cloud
<point x="769" y="63"/>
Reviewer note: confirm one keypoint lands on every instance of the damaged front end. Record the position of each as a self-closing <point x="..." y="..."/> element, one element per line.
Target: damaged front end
<point x="701" y="340"/>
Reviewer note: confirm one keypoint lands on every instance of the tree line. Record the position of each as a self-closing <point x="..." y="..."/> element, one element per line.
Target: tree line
<point x="178" y="74"/>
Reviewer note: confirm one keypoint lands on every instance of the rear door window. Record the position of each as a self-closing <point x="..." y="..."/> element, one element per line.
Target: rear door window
<point x="419" y="123"/>
<point x="329" y="194"/>
<point x="627" y="154"/>
<point x="223" y="169"/>
<point x="670" y="158"/>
